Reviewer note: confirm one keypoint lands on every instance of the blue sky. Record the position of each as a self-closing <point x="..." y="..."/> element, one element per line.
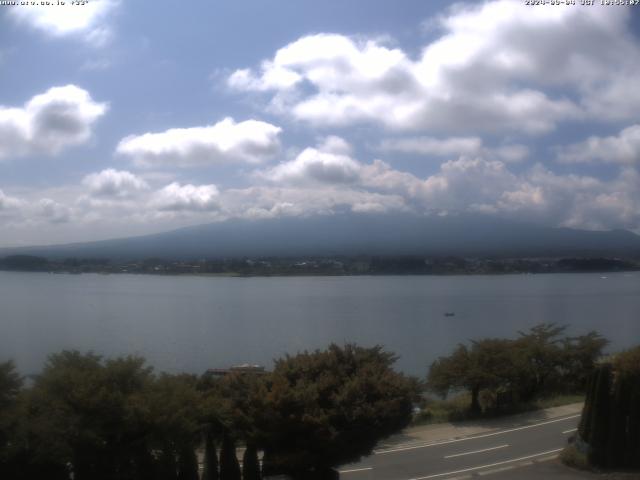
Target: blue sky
<point x="124" y="117"/>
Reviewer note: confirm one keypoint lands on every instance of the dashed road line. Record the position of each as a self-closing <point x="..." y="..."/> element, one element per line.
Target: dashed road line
<point x="485" y="435"/>
<point x="354" y="470"/>
<point x="481" y="467"/>
<point x="476" y="451"/>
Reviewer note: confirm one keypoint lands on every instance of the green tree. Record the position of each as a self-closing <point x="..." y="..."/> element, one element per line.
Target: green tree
<point x="536" y="363"/>
<point x="578" y="360"/>
<point x="610" y="422"/>
<point x="167" y="468"/>
<point x="187" y="464"/>
<point x="210" y="458"/>
<point x="10" y="386"/>
<point x="250" y="463"/>
<point x="173" y="408"/>
<point x="487" y="364"/>
<point x="331" y="407"/>
<point x="84" y="412"/>
<point x="538" y="359"/>
<point x="229" y="466"/>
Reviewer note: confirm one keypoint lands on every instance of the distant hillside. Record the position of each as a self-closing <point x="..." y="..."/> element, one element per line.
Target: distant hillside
<point x="354" y="235"/>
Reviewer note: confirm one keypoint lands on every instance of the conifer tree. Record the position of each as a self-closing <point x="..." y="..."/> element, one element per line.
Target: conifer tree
<point x="187" y="464"/>
<point x="210" y="459"/>
<point x="600" y="417"/>
<point x="250" y="463"/>
<point x="167" y="466"/>
<point x="229" y="466"/>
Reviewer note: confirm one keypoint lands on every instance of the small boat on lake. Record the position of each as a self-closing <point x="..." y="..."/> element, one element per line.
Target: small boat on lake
<point x="449" y="314"/>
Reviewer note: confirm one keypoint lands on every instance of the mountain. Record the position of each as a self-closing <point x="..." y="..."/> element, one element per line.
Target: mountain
<point x="354" y="234"/>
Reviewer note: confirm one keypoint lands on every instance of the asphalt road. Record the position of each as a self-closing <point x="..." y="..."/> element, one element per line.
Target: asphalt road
<point x="477" y="454"/>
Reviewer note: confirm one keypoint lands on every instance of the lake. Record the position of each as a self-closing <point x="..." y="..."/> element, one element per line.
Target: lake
<point x="194" y="323"/>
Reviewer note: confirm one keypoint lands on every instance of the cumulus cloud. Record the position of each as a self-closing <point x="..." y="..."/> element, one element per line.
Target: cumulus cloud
<point x="433" y="146"/>
<point x="622" y="148"/>
<point x="62" y="20"/>
<point x="278" y="201"/>
<point x="464" y="185"/>
<point x="327" y="164"/>
<point x="453" y="147"/>
<point x="114" y="183"/>
<point x="496" y="66"/>
<point x="8" y="203"/>
<point x="59" y="118"/>
<point x="185" y="198"/>
<point x="52" y="211"/>
<point x="251" y="141"/>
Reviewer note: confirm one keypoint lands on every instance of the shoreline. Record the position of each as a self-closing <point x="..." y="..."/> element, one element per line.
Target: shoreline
<point x="323" y="274"/>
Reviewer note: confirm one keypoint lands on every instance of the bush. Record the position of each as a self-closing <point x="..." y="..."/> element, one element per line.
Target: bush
<point x="571" y="457"/>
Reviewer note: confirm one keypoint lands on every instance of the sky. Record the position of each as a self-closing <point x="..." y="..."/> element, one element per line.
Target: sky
<point x="127" y="117"/>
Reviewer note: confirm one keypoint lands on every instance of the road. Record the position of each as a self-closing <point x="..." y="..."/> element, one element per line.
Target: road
<point x="462" y="457"/>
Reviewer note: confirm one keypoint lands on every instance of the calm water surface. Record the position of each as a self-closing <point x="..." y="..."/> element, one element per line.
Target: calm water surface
<point x="193" y="323"/>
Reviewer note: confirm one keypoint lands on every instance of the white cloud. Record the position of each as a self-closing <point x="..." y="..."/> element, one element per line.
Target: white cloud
<point x="328" y="164"/>
<point x="61" y="20"/>
<point x="497" y="66"/>
<point x="114" y="183"/>
<point x="622" y="148"/>
<point x="8" y="203"/>
<point x="335" y="144"/>
<point x="512" y="153"/>
<point x="433" y="146"/>
<point x="251" y="141"/>
<point x="52" y="211"/>
<point x="465" y="185"/>
<point x="454" y="147"/>
<point x="176" y="197"/>
<point x="49" y="122"/>
<point x="276" y="201"/>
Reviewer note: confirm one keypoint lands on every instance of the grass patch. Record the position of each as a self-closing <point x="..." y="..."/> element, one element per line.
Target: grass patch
<point x="441" y="411"/>
<point x="456" y="408"/>
<point x="557" y="401"/>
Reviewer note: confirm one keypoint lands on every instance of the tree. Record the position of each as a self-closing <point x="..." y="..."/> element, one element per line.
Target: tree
<point x="331" y="407"/>
<point x="610" y="423"/>
<point x="538" y="362"/>
<point x="173" y="408"/>
<point x="210" y="458"/>
<point x="10" y="386"/>
<point x="229" y="466"/>
<point x="187" y="464"/>
<point x="167" y="465"/>
<point x="539" y="357"/>
<point x="250" y="463"/>
<point x="486" y="365"/>
<point x="84" y="412"/>
<point x="578" y="360"/>
<point x="235" y="404"/>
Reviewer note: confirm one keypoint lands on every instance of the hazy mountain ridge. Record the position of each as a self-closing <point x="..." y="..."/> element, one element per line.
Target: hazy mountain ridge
<point x="353" y="235"/>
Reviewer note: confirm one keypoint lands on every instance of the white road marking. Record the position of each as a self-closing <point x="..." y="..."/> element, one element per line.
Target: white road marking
<point x="488" y="466"/>
<point x="477" y="451"/>
<point x="570" y="430"/>
<point x="501" y="432"/>
<point x="353" y="470"/>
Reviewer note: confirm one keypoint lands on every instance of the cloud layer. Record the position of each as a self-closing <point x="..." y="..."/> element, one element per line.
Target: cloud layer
<point x="59" y="118"/>
<point x="623" y="148"/>
<point x="472" y="120"/>
<point x="492" y="69"/>
<point x="251" y="141"/>
<point x="69" y="19"/>
<point x="114" y="183"/>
